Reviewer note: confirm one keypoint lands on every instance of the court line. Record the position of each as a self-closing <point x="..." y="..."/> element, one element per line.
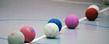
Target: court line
<point x="43" y="36"/>
<point x="82" y="19"/>
<point x="76" y="2"/>
<point x="104" y="10"/>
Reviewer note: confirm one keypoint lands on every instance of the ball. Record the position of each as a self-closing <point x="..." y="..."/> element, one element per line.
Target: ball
<point x="95" y="7"/>
<point x="72" y="21"/>
<point x="51" y="30"/>
<point x="16" y="38"/>
<point x="29" y="33"/>
<point x="91" y="14"/>
<point x="57" y="22"/>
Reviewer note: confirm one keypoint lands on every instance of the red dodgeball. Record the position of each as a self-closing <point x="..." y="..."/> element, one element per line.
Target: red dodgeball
<point x="28" y="33"/>
<point x="91" y="14"/>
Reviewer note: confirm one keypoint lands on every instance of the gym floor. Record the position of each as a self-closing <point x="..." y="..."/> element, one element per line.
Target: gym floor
<point x="17" y="13"/>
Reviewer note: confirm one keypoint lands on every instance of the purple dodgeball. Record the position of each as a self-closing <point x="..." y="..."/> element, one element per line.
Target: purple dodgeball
<point x="71" y="21"/>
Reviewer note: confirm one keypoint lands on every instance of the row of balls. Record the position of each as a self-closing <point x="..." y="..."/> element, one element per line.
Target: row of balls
<point x="54" y="25"/>
<point x="25" y="35"/>
<point x="52" y="28"/>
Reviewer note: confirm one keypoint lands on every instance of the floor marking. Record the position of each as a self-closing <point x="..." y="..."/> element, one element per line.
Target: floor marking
<point x="105" y="9"/>
<point x="76" y="2"/>
<point x="43" y="36"/>
<point x="64" y="27"/>
<point x="82" y="19"/>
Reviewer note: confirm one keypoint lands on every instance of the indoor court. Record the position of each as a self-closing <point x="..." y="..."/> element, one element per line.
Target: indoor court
<point x="15" y="14"/>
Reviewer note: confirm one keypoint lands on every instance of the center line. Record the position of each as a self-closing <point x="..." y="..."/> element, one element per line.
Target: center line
<point x="43" y="36"/>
